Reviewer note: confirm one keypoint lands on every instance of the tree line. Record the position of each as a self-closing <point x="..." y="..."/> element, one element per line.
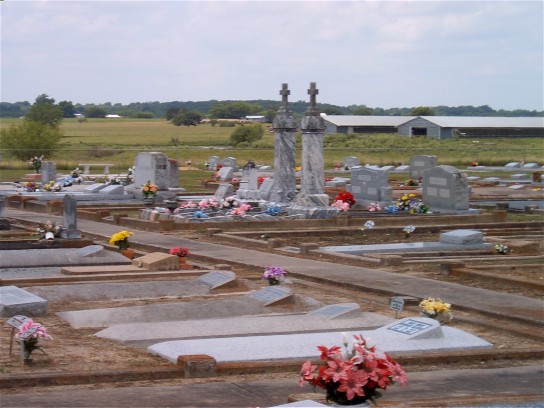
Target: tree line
<point x="238" y="109"/>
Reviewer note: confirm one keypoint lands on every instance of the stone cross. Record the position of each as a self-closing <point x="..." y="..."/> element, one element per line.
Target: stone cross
<point x="285" y="92"/>
<point x="313" y="91"/>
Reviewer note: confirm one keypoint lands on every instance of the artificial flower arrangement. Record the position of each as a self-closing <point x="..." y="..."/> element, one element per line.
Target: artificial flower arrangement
<point x="373" y="207"/>
<point x="242" y="210"/>
<point x="211" y="202"/>
<point x="52" y="186"/>
<point x="36" y="163"/>
<point x="28" y="187"/>
<point x="260" y="180"/>
<point x="341" y="205"/>
<point x="29" y="334"/>
<point x="274" y="274"/>
<point x="502" y="249"/>
<point x="274" y="210"/>
<point x="412" y="182"/>
<point x="229" y="202"/>
<point x="49" y="229"/>
<point x="436" y="309"/>
<point x="408" y="230"/>
<point x="149" y="189"/>
<point x="354" y="376"/>
<point x="411" y="204"/>
<point x="179" y="251"/>
<point x="346" y="197"/>
<point x="121" y="239"/>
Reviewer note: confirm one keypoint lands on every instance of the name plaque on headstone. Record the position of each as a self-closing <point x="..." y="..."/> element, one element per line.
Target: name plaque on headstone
<point x="409" y="327"/>
<point x="439" y="181"/>
<point x="270" y="295"/>
<point x="396" y="304"/>
<point x="217" y="278"/>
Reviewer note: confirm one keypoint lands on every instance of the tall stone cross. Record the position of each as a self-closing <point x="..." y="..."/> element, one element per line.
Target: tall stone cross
<point x="313" y="91"/>
<point x="285" y="92"/>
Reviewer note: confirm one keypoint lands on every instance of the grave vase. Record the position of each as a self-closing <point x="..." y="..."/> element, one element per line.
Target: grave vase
<point x="182" y="261"/>
<point x="148" y="200"/>
<point x="129" y="253"/>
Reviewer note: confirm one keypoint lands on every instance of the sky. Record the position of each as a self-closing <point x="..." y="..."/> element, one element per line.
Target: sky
<point x="376" y="53"/>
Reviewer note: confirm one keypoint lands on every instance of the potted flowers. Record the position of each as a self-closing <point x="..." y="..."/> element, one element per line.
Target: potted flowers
<point x="121" y="240"/>
<point x="36" y="163"/>
<point x="49" y="230"/>
<point x="436" y="309"/>
<point x="29" y="334"/>
<point x="355" y="376"/>
<point x="181" y="253"/>
<point x="149" y="192"/>
<point x="274" y="274"/>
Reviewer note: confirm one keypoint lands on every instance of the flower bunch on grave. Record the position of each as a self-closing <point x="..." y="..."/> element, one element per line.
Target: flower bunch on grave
<point x="52" y="186"/>
<point x="408" y="231"/>
<point x="355" y="375"/>
<point x="274" y="210"/>
<point x="36" y="163"/>
<point x="501" y="249"/>
<point x="436" y="309"/>
<point x="240" y="210"/>
<point x="211" y="202"/>
<point x="149" y="189"/>
<point x="29" y="187"/>
<point x="120" y="239"/>
<point x="49" y="229"/>
<point x="215" y="176"/>
<point x="115" y="181"/>
<point x="473" y="163"/>
<point x="29" y="334"/>
<point x="411" y="204"/>
<point x="373" y="207"/>
<point x="229" y="202"/>
<point x="392" y="209"/>
<point x="179" y="251"/>
<point x="346" y="197"/>
<point x="130" y="174"/>
<point x="260" y="180"/>
<point x="274" y="274"/>
<point x="341" y="205"/>
<point x="199" y="214"/>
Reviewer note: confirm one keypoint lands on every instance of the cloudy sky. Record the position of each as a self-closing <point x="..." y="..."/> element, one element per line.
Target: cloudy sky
<point x="375" y="53"/>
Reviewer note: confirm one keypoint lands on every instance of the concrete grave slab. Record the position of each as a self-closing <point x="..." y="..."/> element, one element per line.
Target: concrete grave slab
<point x="17" y="301"/>
<point x="157" y="261"/>
<point x="304" y="345"/>
<point x="59" y="257"/>
<point x="216" y="279"/>
<point x="340" y="310"/>
<point x="114" y="189"/>
<point x="94" y="188"/>
<point x="462" y="237"/>
<point x="201" y="309"/>
<point x="146" y="334"/>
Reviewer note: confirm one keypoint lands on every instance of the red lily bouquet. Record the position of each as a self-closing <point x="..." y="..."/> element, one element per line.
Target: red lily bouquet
<point x="179" y="251"/>
<point x="346" y="197"/>
<point x="355" y="376"/>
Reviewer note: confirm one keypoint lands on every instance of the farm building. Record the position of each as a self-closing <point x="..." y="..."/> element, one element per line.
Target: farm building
<point x="437" y="127"/>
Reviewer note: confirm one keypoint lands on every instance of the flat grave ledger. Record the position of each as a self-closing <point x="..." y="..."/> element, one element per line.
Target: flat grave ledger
<point x="217" y="279"/>
<point x="332" y="317"/>
<point x="414" y="334"/>
<point x="17" y="301"/>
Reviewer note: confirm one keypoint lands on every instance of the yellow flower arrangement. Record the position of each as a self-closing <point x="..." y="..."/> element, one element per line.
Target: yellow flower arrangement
<point x="121" y="239"/>
<point x="436" y="309"/>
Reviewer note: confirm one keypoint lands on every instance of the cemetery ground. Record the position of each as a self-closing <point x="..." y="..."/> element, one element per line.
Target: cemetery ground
<point x="517" y="343"/>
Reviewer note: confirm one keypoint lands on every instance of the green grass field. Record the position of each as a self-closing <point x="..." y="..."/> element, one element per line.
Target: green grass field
<point x="118" y="141"/>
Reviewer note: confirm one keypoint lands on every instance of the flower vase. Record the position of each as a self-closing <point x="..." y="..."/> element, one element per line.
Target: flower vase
<point x="365" y="404"/>
<point x="49" y="235"/>
<point x="273" y="281"/>
<point x="182" y="261"/>
<point x="148" y="201"/>
<point x="129" y="253"/>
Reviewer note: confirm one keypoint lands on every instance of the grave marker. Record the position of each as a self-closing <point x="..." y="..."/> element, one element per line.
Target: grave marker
<point x="225" y="173"/>
<point x="230" y="162"/>
<point x="223" y="190"/>
<point x="69" y="214"/>
<point x="15" y="322"/>
<point x="370" y="185"/>
<point x="15" y="301"/>
<point x="445" y="189"/>
<point x="153" y="167"/>
<point x="351" y="161"/>
<point x="271" y="295"/>
<point x="342" y="310"/>
<point x="48" y="171"/>
<point x="216" y="279"/>
<point x="396" y="304"/>
<point x="213" y="162"/>
<point x="418" y="164"/>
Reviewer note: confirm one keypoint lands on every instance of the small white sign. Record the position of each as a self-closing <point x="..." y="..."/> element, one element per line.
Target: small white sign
<point x="396" y="303"/>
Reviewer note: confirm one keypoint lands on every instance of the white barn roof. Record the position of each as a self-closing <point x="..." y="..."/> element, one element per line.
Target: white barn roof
<point x="352" y="120"/>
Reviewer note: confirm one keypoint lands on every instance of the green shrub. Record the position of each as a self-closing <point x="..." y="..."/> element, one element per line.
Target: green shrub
<point x="246" y="133"/>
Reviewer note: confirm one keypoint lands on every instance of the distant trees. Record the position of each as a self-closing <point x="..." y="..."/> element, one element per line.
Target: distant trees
<point x="422" y="111"/>
<point x="246" y="134"/>
<point x="94" y="111"/>
<point x="38" y="134"/>
<point x="187" y="118"/>
<point x="362" y="111"/>
<point x="233" y="110"/>
<point x="68" y="109"/>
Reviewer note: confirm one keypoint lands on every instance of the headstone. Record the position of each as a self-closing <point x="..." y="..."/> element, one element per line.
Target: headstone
<point x="4" y="222"/>
<point x="157" y="261"/>
<point x="94" y="188"/>
<point x="271" y="295"/>
<point x="265" y="189"/>
<point x="16" y="301"/>
<point x="370" y="185"/>
<point x="462" y="237"/>
<point x="113" y="189"/>
<point x="284" y="125"/>
<point x="230" y="162"/>
<point x="403" y="167"/>
<point x="445" y="189"/>
<point x="69" y="213"/>
<point x="213" y="162"/>
<point x="48" y="171"/>
<point x="418" y="164"/>
<point x="223" y="190"/>
<point x="513" y="165"/>
<point x="173" y="173"/>
<point x="153" y="167"/>
<point x="520" y="176"/>
<point x="351" y="161"/>
<point x="216" y="279"/>
<point x="249" y="187"/>
<point x="225" y="173"/>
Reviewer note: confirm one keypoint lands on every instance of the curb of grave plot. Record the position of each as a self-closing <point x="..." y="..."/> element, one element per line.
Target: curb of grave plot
<point x="201" y="366"/>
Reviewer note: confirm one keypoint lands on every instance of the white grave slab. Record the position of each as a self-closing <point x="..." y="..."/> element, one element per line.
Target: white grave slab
<point x="16" y="301"/>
